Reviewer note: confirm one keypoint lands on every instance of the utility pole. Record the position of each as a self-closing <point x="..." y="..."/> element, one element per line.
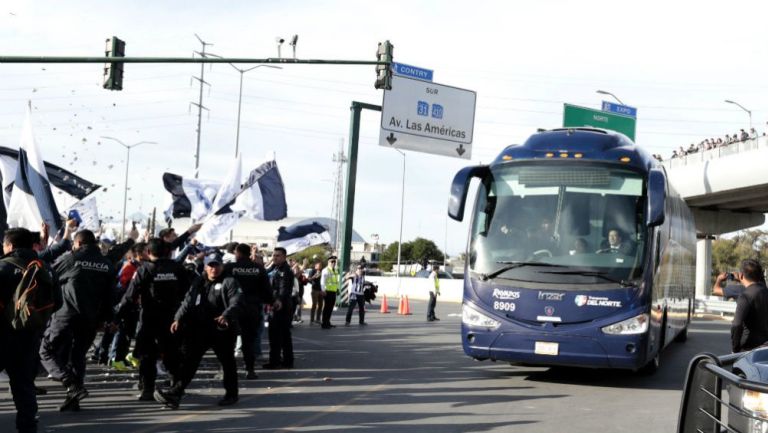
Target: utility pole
<point x="338" y="193"/>
<point x="199" y="104"/>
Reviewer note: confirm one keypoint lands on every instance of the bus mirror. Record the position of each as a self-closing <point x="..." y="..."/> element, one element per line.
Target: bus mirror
<point x="459" y="188"/>
<point x="657" y="196"/>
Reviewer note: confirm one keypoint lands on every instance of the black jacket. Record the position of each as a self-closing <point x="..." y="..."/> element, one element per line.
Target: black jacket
<point x="87" y="282"/>
<point x="10" y="276"/>
<point x="749" y="328"/>
<point x="207" y="300"/>
<point x="159" y="286"/>
<point x="54" y="251"/>
<point x="253" y="281"/>
<point x="281" y="280"/>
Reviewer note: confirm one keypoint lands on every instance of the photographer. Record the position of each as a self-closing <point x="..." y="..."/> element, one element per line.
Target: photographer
<point x="749" y="328"/>
<point x="733" y="287"/>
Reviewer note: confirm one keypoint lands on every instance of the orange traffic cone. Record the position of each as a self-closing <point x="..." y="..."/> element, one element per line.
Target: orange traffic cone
<point x="406" y="307"/>
<point x="400" y="306"/>
<point x="384" y="305"/>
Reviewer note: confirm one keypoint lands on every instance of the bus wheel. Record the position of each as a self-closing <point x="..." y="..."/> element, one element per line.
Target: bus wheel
<point x="652" y="366"/>
<point x="682" y="336"/>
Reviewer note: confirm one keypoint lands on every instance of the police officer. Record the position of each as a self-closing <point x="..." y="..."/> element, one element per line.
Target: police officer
<point x="161" y="284"/>
<point x="254" y="283"/>
<point x="207" y="318"/>
<point x="329" y="283"/>
<point x="86" y="280"/>
<point x="18" y="356"/>
<point x="280" y="341"/>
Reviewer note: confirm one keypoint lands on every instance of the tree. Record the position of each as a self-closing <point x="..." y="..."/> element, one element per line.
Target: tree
<point x="321" y="251"/>
<point x="413" y="251"/>
<point x="727" y="254"/>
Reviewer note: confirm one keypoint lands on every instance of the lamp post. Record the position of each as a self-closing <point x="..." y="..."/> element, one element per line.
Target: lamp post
<point x="402" y="207"/>
<point x="603" y="92"/>
<point x="127" y="162"/>
<point x="240" y="99"/>
<point x="749" y="112"/>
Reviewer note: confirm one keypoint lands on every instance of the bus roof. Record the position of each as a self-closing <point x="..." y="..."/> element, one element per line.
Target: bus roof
<point x="590" y="144"/>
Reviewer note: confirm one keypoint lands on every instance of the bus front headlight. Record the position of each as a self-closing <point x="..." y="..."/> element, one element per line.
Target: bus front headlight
<point x="472" y="317"/>
<point x="633" y="326"/>
<point x="755" y="402"/>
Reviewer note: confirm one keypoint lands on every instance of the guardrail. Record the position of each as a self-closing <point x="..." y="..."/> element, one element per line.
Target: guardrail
<point x="715" y="305"/>
<point x="718" y="152"/>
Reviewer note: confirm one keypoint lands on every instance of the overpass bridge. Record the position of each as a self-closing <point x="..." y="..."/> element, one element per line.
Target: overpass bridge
<point x="727" y="190"/>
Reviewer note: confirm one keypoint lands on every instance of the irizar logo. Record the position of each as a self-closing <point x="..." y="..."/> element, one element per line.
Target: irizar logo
<point x="94" y="266"/>
<point x="505" y="294"/>
<point x="551" y="296"/>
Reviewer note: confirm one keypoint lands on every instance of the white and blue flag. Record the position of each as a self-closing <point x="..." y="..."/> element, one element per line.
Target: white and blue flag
<point x="298" y="238"/>
<point x="32" y="201"/>
<point x="263" y="195"/>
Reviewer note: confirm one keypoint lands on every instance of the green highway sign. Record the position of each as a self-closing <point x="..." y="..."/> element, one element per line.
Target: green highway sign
<point x="575" y="116"/>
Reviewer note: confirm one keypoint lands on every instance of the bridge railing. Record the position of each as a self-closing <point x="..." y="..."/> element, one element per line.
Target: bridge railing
<point x="728" y="149"/>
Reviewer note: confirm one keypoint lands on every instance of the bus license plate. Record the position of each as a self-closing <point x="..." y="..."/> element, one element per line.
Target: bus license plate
<point x="545" y="348"/>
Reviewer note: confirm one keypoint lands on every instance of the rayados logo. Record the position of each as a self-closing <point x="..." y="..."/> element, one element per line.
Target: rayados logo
<point x="505" y="294"/>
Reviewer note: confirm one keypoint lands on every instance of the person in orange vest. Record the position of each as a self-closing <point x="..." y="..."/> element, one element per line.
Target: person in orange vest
<point x="433" y="294"/>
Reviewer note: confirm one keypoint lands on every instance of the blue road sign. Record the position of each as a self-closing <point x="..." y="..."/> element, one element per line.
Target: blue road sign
<point x="412" y="71"/>
<point x="620" y="109"/>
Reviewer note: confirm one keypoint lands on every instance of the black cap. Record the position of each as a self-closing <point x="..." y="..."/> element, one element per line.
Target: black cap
<point x="212" y="259"/>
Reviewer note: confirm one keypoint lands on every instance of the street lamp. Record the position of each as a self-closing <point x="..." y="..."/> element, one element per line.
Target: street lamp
<point x="240" y="99"/>
<point x="127" y="162"/>
<point x="749" y="112"/>
<point x="402" y="207"/>
<point x="603" y="92"/>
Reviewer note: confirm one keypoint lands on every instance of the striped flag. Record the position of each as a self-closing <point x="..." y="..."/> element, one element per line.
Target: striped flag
<point x="297" y="238"/>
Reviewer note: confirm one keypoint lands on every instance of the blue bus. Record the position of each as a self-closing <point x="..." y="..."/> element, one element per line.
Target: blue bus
<point x="580" y="253"/>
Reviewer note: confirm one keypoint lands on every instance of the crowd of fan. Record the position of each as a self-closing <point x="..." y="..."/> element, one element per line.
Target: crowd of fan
<point x="712" y="143"/>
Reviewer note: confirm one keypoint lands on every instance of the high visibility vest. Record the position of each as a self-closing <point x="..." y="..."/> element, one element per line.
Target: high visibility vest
<point x="332" y="281"/>
<point x="437" y="283"/>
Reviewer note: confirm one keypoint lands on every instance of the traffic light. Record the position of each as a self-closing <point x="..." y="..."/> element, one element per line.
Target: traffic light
<point x="384" y="72"/>
<point x="113" y="72"/>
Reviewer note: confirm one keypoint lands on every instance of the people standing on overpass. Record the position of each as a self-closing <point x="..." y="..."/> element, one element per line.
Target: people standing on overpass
<point x="749" y="328"/>
<point x="433" y="294"/>
<point x="329" y="283"/>
<point x="357" y="282"/>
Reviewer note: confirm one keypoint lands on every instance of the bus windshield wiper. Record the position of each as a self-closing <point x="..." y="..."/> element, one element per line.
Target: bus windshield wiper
<point x="512" y="265"/>
<point x="622" y="283"/>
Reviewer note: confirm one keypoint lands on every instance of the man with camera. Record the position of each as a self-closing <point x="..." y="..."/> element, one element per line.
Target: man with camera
<point x="749" y="328"/>
<point x="733" y="288"/>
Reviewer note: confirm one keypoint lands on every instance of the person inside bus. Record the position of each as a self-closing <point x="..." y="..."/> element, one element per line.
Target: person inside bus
<point x="579" y="247"/>
<point x="542" y="237"/>
<point x="615" y="244"/>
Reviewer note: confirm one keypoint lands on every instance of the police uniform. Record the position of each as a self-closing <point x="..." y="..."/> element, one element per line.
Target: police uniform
<point x="206" y="300"/>
<point x="255" y="286"/>
<point x="86" y="279"/>
<point x="161" y="285"/>
<point x="280" y="339"/>
<point x="18" y="356"/>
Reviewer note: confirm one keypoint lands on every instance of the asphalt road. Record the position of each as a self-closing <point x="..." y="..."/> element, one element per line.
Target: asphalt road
<point x="399" y="374"/>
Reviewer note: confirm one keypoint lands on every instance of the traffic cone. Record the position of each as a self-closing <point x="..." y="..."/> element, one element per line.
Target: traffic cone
<point x="400" y="306"/>
<point x="384" y="305"/>
<point x="406" y="307"/>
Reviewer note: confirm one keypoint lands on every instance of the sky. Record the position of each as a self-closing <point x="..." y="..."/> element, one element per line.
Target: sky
<point x="675" y="61"/>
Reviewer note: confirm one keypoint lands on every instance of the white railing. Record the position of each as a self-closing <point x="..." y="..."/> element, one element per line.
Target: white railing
<point x="723" y="150"/>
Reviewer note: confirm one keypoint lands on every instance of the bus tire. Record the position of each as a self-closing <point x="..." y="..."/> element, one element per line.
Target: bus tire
<point x="655" y="363"/>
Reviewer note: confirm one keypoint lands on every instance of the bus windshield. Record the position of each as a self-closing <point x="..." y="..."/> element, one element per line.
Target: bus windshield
<point x="562" y="224"/>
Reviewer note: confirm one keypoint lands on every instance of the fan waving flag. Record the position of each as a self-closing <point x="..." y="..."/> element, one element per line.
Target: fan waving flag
<point x="297" y="238"/>
<point x="32" y="201"/>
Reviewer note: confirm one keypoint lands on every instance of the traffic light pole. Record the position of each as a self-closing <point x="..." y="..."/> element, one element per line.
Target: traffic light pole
<point x="349" y="187"/>
<point x="55" y="59"/>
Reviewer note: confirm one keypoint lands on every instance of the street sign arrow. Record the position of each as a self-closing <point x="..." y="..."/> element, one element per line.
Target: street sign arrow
<point x="391" y="138"/>
<point x="460" y="150"/>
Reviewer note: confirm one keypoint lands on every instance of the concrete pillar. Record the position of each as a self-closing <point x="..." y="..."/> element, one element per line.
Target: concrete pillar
<point x="703" y="266"/>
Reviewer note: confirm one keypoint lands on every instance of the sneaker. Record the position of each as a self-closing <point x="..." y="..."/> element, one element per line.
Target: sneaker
<point x="363" y="324"/>
<point x="251" y="375"/>
<point x="74" y="395"/>
<point x="287" y="366"/>
<point x="435" y="318"/>
<point x="135" y="362"/>
<point x="146" y="396"/>
<point x="167" y="399"/>
<point x="346" y="323"/>
<point x="228" y="400"/>
<point x="160" y="369"/>
<point x="119" y="366"/>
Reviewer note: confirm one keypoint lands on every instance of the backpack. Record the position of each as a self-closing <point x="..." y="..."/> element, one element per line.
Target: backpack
<point x="32" y="303"/>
